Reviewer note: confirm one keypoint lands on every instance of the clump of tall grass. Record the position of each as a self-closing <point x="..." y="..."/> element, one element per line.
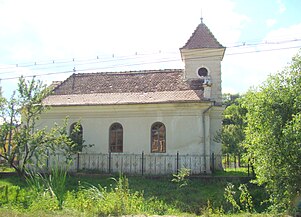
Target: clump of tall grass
<point x="117" y="200"/>
<point x="52" y="184"/>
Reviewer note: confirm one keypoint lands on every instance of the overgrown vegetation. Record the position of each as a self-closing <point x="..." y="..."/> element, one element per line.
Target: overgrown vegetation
<point x="120" y="195"/>
<point x="273" y="135"/>
<point x="264" y="125"/>
<point x="53" y="183"/>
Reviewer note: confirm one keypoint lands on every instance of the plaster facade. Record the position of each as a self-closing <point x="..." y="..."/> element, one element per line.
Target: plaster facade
<point x="184" y="124"/>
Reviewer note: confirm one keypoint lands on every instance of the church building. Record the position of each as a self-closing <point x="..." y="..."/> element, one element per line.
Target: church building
<point x="156" y="113"/>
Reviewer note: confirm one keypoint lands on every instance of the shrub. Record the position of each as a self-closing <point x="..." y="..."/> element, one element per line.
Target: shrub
<point x="181" y="178"/>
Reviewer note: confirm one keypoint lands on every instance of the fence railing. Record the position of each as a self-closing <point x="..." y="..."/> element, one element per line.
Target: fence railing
<point x="139" y="164"/>
<point x="234" y="161"/>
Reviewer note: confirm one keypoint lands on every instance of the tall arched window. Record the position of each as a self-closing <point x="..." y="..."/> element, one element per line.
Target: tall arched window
<point x="76" y="135"/>
<point x="116" y="138"/>
<point x="158" y="138"/>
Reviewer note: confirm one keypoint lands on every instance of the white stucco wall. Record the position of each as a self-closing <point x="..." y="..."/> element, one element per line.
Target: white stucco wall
<point x="183" y="122"/>
<point x="211" y="60"/>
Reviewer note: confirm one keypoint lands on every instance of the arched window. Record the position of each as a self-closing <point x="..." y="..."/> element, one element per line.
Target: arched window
<point x="116" y="138"/>
<point x="76" y="135"/>
<point x="158" y="138"/>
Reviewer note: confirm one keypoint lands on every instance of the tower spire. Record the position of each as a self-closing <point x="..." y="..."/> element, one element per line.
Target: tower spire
<point x="201" y="15"/>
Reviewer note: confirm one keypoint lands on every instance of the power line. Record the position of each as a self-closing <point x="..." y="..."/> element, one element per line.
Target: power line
<point x="144" y="63"/>
<point x="208" y="53"/>
<point x="113" y="58"/>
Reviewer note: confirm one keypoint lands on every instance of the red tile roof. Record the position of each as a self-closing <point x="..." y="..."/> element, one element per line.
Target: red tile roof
<point x="121" y="82"/>
<point x="125" y="98"/>
<point x="202" y="37"/>
<point x="153" y="86"/>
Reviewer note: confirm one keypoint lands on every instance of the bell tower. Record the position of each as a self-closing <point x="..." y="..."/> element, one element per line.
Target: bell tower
<point x="202" y="55"/>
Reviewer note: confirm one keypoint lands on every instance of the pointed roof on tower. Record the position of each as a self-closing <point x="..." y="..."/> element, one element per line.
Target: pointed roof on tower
<point x="202" y="37"/>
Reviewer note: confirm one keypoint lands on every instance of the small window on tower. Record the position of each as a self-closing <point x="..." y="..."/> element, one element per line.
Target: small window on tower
<point x="203" y="72"/>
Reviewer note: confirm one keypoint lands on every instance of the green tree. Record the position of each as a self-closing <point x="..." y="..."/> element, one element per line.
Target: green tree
<point x="273" y="134"/>
<point x="21" y="141"/>
<point x="234" y="123"/>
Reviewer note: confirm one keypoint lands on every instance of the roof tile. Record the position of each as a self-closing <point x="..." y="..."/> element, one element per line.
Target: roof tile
<point x="202" y="37"/>
<point x="125" y="98"/>
<point x="140" y="81"/>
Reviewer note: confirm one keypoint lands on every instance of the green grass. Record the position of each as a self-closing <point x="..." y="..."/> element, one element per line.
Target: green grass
<point x="5" y="168"/>
<point x="12" y="180"/>
<point x="152" y="195"/>
<point x="236" y="172"/>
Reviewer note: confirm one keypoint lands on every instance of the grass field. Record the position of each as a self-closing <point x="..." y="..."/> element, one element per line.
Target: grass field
<point x="150" y="195"/>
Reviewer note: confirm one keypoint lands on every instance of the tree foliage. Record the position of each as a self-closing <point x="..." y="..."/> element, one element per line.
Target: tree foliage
<point x="22" y="142"/>
<point x="274" y="134"/>
<point x="234" y="122"/>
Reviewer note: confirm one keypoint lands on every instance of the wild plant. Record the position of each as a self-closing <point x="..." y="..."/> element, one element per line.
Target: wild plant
<point x="181" y="178"/>
<point x="229" y="195"/>
<point x="245" y="200"/>
<point x="54" y="183"/>
<point x="14" y="196"/>
<point x="210" y="210"/>
<point x="35" y="181"/>
<point x="4" y="194"/>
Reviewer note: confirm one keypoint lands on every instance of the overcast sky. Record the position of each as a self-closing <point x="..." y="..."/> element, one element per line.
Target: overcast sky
<point x="53" y="38"/>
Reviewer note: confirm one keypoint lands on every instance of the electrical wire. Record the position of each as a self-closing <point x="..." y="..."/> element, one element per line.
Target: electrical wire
<point x="142" y="63"/>
<point x="105" y="59"/>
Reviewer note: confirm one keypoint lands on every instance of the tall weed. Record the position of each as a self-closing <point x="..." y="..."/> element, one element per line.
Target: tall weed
<point x="56" y="184"/>
<point x="53" y="183"/>
<point x="245" y="198"/>
<point x="117" y="200"/>
<point x="181" y="178"/>
<point x="243" y="202"/>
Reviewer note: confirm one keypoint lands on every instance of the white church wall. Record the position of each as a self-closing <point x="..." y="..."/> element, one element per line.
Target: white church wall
<point x="183" y="122"/>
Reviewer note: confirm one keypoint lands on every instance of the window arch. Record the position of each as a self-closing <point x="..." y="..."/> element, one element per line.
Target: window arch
<point x="76" y="135"/>
<point x="116" y="138"/>
<point x="158" y="138"/>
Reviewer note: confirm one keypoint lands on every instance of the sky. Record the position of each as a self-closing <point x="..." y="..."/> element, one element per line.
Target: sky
<point x="53" y="38"/>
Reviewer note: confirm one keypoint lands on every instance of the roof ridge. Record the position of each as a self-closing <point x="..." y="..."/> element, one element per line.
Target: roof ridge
<point x="130" y="72"/>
